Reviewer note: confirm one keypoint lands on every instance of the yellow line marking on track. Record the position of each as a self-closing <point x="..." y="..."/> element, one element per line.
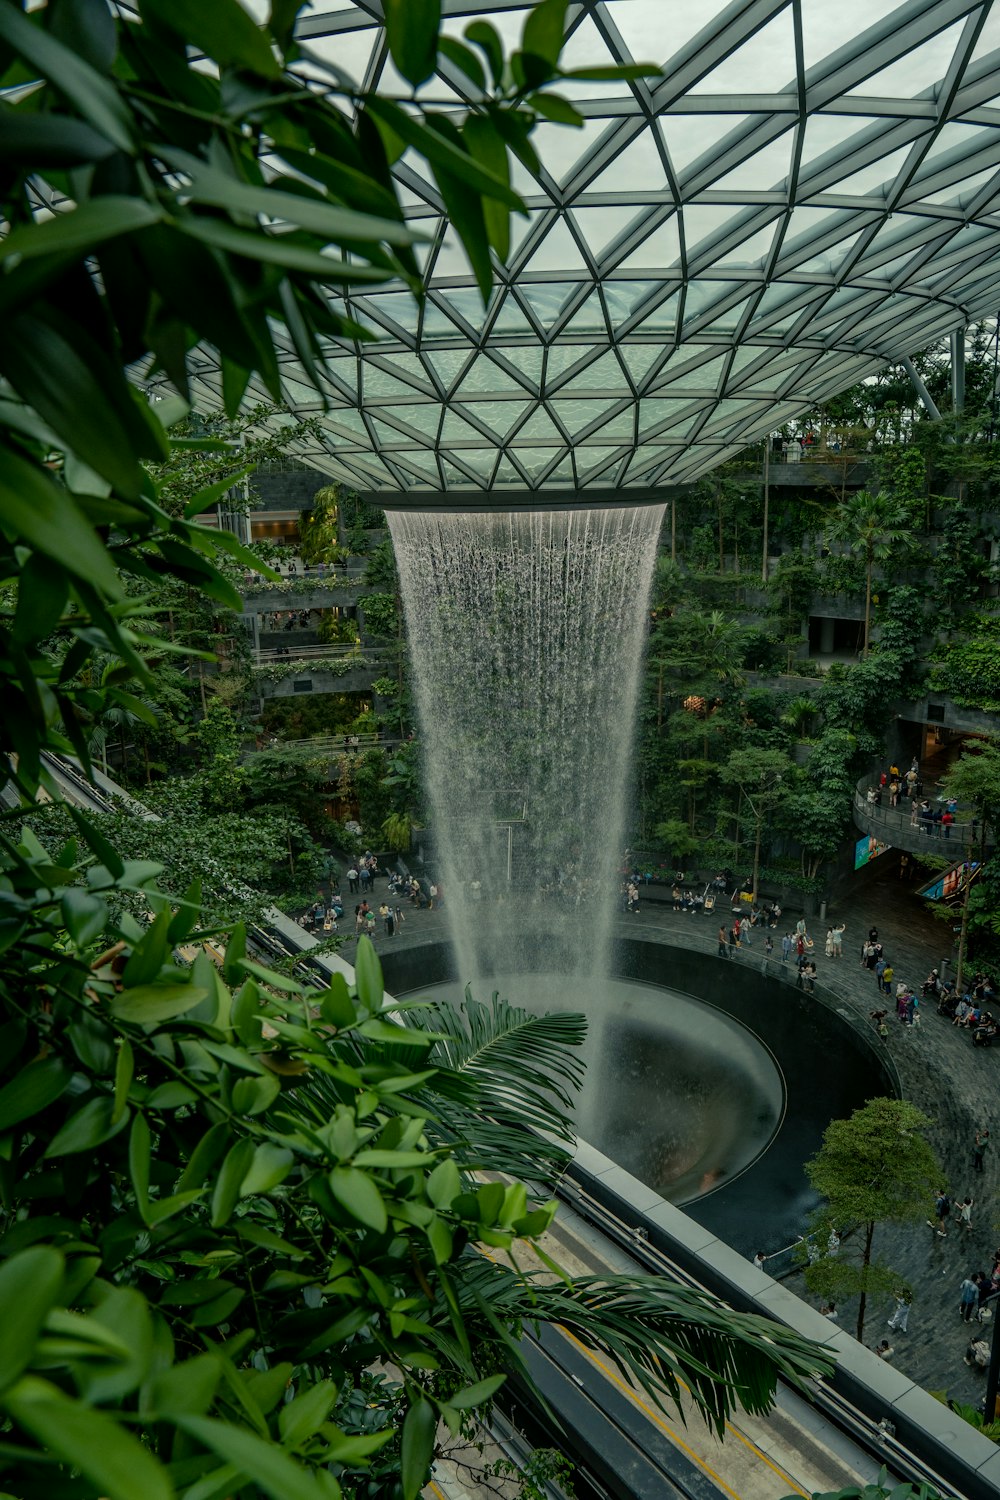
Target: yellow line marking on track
<point x="651" y="1412"/>
<point x="432" y="1486"/>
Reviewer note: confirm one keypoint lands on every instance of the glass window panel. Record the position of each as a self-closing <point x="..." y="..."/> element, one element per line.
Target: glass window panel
<point x="512" y="318"/>
<point x="963" y="193"/>
<point x="877" y="174"/>
<point x="639" y="358"/>
<point x="507" y="474"/>
<point x="534" y="461"/>
<point x="562" y="151"/>
<point x="654" y="412"/>
<point x="576" y="415"/>
<point x="825" y="27"/>
<point x="424" y="418"/>
<point x="606" y="373"/>
<point x="350" y="50"/>
<point x="660" y="249"/>
<point x="600" y="227"/>
<point x="832" y="258"/>
<point x="640" y="23"/>
<point x="587" y="48"/>
<point x="769" y="56"/>
<point x="587" y="320"/>
<point x="539" y="428"/>
<point x="447" y="364"/>
<point x="703" y="377"/>
<point x="766" y="169"/>
<point x="528" y="362"/>
<point x="558" y="251"/>
<point x="750" y="252"/>
<point x="563" y="356"/>
<point x="466" y="302"/>
<point x="379" y="384"/>
<point x="830" y="132"/>
<point x="638" y="167"/>
<point x="546" y="299"/>
<point x="690" y="137"/>
<point x="916" y="70"/>
<point x="623" y="297"/>
<point x="480" y="460"/>
<point x="662" y="318"/>
<point x="622" y="425"/>
<point x="727" y="320"/>
<point x="399" y="307"/>
<point x="436" y="324"/>
<point x="348" y="422"/>
<point x="562" y="474"/>
<point x="455" y="431"/>
<point x="484" y="377"/>
<point x="424" y="473"/>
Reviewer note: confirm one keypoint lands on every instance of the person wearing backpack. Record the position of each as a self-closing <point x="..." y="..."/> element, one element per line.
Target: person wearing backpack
<point x="942" y="1208"/>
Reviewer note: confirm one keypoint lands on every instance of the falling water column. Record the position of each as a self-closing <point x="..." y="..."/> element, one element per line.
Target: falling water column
<point x="526" y="632"/>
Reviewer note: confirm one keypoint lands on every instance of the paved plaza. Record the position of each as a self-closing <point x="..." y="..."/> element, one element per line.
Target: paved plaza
<point x="940" y="1071"/>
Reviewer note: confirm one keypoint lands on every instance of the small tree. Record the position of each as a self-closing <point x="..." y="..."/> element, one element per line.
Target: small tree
<point x="873" y="1168"/>
<point x="874" y="524"/>
<point x="760" y="775"/>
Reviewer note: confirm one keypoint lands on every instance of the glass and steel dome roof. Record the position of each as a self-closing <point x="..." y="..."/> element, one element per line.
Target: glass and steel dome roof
<point x="810" y="191"/>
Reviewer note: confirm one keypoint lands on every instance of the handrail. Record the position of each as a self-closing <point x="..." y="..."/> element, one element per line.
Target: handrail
<point x="324" y="653"/>
<point x="895" y="826"/>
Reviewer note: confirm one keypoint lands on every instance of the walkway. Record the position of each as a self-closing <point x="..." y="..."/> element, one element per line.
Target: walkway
<point x="941" y="1072"/>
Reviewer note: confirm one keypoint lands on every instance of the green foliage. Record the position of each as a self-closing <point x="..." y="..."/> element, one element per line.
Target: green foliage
<point x="967" y="668"/>
<point x="329" y="666"/>
<point x="318" y="529"/>
<point x="875" y="1167"/>
<point x="882" y="1490"/>
<point x="381" y="617"/>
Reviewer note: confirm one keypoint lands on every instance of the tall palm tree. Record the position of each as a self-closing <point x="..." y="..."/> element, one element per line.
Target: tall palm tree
<point x="873" y="524"/>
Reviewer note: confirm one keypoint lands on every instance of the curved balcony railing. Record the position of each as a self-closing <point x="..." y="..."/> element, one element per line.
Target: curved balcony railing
<point x="895" y="826"/>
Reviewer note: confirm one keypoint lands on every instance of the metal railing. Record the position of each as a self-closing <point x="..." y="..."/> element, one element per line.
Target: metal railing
<point x="895" y="826"/>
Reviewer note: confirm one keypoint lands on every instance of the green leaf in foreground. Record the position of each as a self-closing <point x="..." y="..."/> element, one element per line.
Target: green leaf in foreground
<point x="88" y="1440"/>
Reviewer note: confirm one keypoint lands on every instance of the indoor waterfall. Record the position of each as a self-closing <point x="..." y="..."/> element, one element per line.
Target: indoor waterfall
<point x="527" y="632"/>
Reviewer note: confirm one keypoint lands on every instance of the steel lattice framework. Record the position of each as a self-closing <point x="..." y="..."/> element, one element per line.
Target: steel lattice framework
<point x="811" y="191"/>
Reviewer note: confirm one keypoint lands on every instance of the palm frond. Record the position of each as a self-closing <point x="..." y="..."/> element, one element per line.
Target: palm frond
<point x="505" y="1084"/>
<point x="670" y="1340"/>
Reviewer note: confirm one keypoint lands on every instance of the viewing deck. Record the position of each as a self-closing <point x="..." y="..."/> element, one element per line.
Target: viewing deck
<point x="894" y="826"/>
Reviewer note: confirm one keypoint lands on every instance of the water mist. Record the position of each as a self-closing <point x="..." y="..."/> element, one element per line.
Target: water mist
<point x="527" y="632"/>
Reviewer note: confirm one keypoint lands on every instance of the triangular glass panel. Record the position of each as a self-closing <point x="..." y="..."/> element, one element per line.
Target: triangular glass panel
<point x="447" y="364"/>
<point x="824" y="26"/>
<point x="661" y="319"/>
<point x="604" y="374"/>
<point x="830" y="259"/>
<point x="456" y="478"/>
<point x="455" y="430"/>
<point x="466" y="303"/>
<point x="480" y="460"/>
<point x="507" y="474"/>
<point x="561" y="357"/>
<point x="348" y="424"/>
<point x="423" y="418"/>
<point x="727" y="320"/>
<point x="600" y="227"/>
<point x="989" y="39"/>
<point x="534" y="461"/>
<point x="878" y="174"/>
<point x="546" y="299"/>
<point x="505" y="415"/>
<point x="961" y="194"/>
<point x="621" y="425"/>
<point x="768" y="55"/>
<point x="562" y="474"/>
<point x="703" y="377"/>
<point x="587" y="319"/>
<point x="511" y="318"/>
<point x="591" y="462"/>
<point x="563" y="152"/>
<point x="639" y="358"/>
<point x="749" y="252"/>
<point x="690" y="137"/>
<point x="831" y="132"/>
<point x="660" y="249"/>
<point x="575" y="416"/>
<point x="342" y="374"/>
<point x="915" y="71"/>
<point x="656" y="413"/>
<point x="378" y="384"/>
<point x="528" y="365"/>
<point x="623" y="297"/>
<point x="486" y="378"/>
<point x="349" y="50"/>
<point x="558" y="251"/>
<point x="767" y="169"/>
<point x="435" y="323"/>
<point x="539" y="428"/>
<point x="585" y="47"/>
<point x="423" y="474"/>
<point x="637" y="167"/>
<point x="395" y="307"/>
